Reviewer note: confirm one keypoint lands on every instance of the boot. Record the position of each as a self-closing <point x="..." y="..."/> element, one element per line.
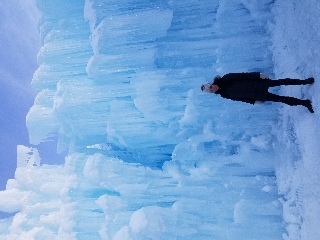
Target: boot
<point x="290" y="101"/>
<point x="307" y="104"/>
<point x="295" y="102"/>
<point x="309" y="80"/>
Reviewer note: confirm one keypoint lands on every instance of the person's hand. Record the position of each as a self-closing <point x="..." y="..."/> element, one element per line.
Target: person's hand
<point x="264" y="76"/>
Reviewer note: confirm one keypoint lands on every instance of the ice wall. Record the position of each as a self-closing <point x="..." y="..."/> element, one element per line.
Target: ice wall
<point x="150" y="156"/>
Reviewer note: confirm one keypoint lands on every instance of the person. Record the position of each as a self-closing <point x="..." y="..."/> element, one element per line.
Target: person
<point x="253" y="88"/>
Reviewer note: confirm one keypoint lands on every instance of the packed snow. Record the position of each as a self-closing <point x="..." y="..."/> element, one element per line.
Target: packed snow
<point x="296" y="53"/>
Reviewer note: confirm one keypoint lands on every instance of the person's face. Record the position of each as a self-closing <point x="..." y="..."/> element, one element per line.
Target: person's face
<point x="214" y="88"/>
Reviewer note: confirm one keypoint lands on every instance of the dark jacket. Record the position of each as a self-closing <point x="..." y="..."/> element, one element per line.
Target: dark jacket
<point x="245" y="87"/>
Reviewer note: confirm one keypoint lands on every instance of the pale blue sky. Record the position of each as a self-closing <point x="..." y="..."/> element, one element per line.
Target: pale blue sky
<point x="19" y="45"/>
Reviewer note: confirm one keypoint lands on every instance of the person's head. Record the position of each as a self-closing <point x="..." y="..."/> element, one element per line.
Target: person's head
<point x="209" y="87"/>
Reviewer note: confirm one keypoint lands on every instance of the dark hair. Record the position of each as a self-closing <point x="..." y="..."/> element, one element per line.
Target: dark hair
<point x="217" y="77"/>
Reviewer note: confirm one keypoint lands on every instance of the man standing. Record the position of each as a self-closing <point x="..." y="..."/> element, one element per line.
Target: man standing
<point x="253" y="87"/>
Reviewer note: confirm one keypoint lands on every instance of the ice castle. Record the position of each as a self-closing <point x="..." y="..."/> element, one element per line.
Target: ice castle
<point x="149" y="156"/>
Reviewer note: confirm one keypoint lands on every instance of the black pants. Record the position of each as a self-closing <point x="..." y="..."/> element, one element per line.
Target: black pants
<point x="284" y="99"/>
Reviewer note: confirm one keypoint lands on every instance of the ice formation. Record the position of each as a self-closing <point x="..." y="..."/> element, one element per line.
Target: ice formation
<point x="149" y="155"/>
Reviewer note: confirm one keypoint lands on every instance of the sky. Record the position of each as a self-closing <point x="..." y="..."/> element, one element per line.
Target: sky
<point x="19" y="45"/>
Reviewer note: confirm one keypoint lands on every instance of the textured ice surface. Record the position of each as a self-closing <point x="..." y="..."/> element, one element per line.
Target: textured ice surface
<point x="150" y="156"/>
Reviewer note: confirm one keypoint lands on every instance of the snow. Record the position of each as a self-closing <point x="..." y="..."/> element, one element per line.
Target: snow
<point x="295" y="37"/>
<point x="27" y="156"/>
<point x="149" y="155"/>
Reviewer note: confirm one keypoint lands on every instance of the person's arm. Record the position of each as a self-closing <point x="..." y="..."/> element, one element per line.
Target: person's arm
<point x="240" y="76"/>
<point x="246" y="100"/>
